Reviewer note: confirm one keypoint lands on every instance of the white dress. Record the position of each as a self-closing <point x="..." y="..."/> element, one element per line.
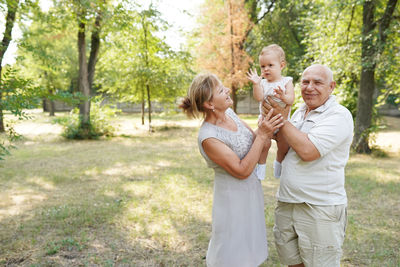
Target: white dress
<point x="238" y="235"/>
<point x="268" y="89"/>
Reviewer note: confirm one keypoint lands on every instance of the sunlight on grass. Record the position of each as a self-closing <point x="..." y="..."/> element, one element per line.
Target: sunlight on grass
<point x="145" y="199"/>
<point x="17" y="201"/>
<point x="40" y="182"/>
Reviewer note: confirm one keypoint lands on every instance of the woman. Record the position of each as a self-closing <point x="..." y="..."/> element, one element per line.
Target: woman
<point x="232" y="149"/>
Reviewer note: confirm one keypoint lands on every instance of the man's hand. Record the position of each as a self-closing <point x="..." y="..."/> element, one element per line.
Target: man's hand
<point x="252" y="75"/>
<point x="277" y="109"/>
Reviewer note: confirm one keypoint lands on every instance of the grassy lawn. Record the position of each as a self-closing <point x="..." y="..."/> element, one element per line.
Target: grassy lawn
<point x="141" y="199"/>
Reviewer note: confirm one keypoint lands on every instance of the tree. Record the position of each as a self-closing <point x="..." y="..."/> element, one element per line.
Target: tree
<point x="372" y="47"/>
<point x="12" y="7"/>
<point x="87" y="69"/>
<point x="362" y="58"/>
<point x="18" y="94"/>
<point x="89" y="16"/>
<point x="224" y="28"/>
<point x="46" y="55"/>
<point x="138" y="66"/>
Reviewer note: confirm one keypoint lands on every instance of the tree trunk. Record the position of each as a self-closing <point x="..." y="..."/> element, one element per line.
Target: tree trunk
<point x="83" y="84"/>
<point x="2" y="128"/>
<point x="44" y="105"/>
<point x="232" y="74"/>
<point x="367" y="82"/>
<point x="52" y="108"/>
<point x="369" y="52"/>
<point x="234" y="97"/>
<point x="149" y="106"/>
<point x="94" y="50"/>
<point x="12" y="7"/>
<point x="146" y="58"/>
<point x="51" y="94"/>
<point x="143" y="102"/>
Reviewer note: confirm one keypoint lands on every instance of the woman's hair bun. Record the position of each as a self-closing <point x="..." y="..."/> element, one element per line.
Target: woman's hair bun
<point x="186" y="103"/>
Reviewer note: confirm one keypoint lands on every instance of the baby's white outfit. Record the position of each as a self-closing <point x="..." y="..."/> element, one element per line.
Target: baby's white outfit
<point x="268" y="90"/>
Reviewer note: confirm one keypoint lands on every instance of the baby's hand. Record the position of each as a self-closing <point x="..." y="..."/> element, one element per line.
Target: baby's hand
<point x="279" y="93"/>
<point x="253" y="76"/>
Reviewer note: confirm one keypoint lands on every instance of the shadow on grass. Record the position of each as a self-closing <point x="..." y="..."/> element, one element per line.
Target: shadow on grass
<point x="373" y="231"/>
<point x="146" y="201"/>
<point x="128" y="202"/>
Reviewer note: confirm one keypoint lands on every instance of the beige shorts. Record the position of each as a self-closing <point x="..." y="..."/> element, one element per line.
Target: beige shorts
<point x="309" y="234"/>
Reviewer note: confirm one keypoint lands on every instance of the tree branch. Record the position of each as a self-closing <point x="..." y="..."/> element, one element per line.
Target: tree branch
<point x="271" y="5"/>
<point x="94" y="48"/>
<point x="12" y="6"/>
<point x="385" y="20"/>
<point x="251" y="25"/>
<point x="351" y="20"/>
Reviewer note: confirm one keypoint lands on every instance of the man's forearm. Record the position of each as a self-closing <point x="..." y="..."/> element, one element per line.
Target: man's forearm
<point x="299" y="142"/>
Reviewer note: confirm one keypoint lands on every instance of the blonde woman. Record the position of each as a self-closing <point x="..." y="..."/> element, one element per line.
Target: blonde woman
<point x="232" y="149"/>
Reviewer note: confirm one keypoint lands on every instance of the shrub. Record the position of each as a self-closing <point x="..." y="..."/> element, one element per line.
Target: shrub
<point x="100" y="118"/>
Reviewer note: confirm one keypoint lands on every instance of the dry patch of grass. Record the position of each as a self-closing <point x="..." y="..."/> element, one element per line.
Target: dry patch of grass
<point x="388" y="139"/>
<point x="143" y="199"/>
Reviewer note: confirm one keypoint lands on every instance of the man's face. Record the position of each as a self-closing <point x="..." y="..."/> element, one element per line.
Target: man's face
<point x="316" y="86"/>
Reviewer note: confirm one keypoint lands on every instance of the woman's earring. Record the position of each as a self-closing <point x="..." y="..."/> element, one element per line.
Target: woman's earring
<point x="213" y="110"/>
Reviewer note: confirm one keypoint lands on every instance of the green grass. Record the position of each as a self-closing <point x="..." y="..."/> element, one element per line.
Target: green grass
<point x="143" y="199"/>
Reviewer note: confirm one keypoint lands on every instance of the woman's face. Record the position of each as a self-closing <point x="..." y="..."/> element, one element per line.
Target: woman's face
<point x="221" y="98"/>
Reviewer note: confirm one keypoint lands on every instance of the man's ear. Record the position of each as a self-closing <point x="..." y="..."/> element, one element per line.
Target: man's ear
<point x="332" y="86"/>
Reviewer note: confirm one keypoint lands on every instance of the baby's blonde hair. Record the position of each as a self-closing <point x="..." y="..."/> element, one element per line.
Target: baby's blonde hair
<point x="200" y="91"/>
<point x="276" y="49"/>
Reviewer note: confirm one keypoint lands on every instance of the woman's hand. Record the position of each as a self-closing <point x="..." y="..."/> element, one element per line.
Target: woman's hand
<point x="252" y="75"/>
<point x="268" y="125"/>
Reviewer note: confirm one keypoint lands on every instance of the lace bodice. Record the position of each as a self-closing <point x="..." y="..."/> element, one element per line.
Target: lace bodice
<point x="240" y="141"/>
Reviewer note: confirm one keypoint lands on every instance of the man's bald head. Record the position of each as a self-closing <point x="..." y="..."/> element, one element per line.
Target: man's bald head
<point x="328" y="72"/>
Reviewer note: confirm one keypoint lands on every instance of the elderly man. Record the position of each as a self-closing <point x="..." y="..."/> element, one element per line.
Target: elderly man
<point x="310" y="217"/>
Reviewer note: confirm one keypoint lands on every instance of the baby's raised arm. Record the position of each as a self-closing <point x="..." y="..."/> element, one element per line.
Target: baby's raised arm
<point x="258" y="93"/>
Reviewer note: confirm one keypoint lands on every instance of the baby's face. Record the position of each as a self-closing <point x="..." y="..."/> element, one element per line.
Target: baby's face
<point x="271" y="67"/>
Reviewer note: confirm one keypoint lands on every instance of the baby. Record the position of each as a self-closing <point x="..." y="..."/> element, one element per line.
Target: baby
<point x="271" y="83"/>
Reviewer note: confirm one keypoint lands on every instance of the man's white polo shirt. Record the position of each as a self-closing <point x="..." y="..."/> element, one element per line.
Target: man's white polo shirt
<point x="319" y="182"/>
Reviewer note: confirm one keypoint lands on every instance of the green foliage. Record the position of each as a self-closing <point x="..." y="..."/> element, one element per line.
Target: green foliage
<point x="47" y="53"/>
<point x="6" y="145"/>
<point x="17" y="94"/>
<point x="135" y="59"/>
<point x="388" y="67"/>
<point x="100" y="122"/>
<point x="67" y="244"/>
<point x="334" y="39"/>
